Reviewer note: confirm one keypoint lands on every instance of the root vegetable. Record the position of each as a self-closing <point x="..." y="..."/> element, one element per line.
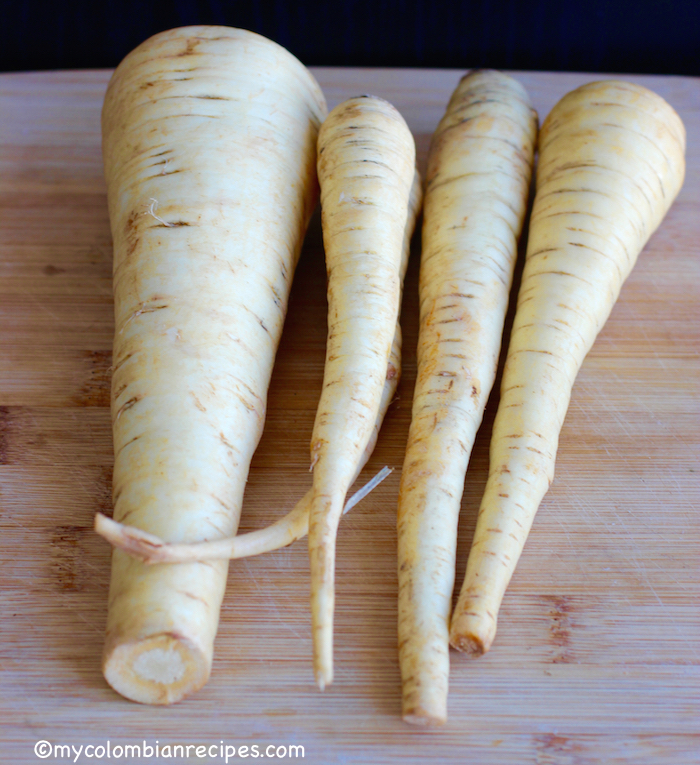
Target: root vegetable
<point x="477" y="185"/>
<point x="611" y="163"/>
<point x="209" y="141"/>
<point x="151" y="549"/>
<point x="366" y="167"/>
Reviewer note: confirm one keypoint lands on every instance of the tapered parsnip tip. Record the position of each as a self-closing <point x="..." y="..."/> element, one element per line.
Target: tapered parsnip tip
<point x="468" y="643"/>
<point x="323" y="637"/>
<point x="160" y="669"/>
<point x="324" y="678"/>
<point x="423" y="719"/>
<point x="472" y="634"/>
<point x="139" y="544"/>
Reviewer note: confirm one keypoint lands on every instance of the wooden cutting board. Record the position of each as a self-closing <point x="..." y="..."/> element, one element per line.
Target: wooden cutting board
<point x="597" y="653"/>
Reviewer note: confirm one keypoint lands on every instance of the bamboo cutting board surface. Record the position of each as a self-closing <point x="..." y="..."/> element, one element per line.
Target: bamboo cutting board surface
<point x="596" y="658"/>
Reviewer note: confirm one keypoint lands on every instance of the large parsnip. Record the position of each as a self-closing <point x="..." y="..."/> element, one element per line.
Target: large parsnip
<point x="210" y="151"/>
<point x="479" y="171"/>
<point x="611" y="163"/>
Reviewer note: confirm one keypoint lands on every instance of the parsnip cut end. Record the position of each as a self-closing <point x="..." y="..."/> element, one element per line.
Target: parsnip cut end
<point x="160" y="669"/>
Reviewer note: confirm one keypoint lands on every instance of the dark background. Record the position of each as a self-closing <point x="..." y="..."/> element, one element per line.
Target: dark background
<point x="614" y="36"/>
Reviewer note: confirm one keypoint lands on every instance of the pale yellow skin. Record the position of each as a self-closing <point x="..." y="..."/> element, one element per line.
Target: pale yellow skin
<point x="611" y="163"/>
<point x="479" y="172"/>
<point x="366" y="167"/>
<point x="294" y="525"/>
<point x="209" y="141"/>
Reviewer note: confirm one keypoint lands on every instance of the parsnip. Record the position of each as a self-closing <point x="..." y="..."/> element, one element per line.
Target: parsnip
<point x="366" y="166"/>
<point x="295" y="524"/>
<point x="209" y="141"/>
<point x="479" y="171"/>
<point x="611" y="163"/>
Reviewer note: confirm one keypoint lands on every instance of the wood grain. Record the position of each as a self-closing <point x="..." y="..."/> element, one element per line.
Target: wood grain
<point x="597" y="655"/>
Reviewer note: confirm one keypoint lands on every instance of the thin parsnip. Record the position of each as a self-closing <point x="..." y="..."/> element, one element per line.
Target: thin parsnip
<point x="477" y="185"/>
<point x="611" y="163"/>
<point x="366" y="168"/>
<point x="295" y="524"/>
<point x="209" y="142"/>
